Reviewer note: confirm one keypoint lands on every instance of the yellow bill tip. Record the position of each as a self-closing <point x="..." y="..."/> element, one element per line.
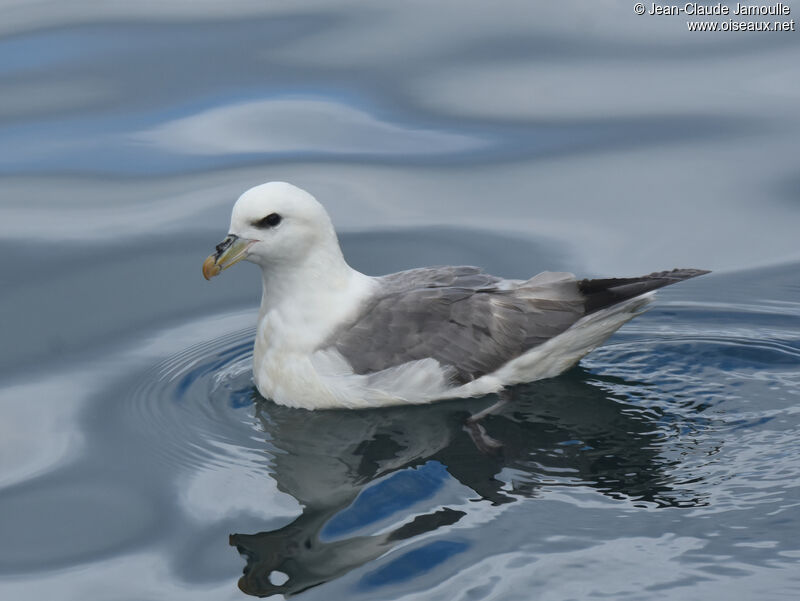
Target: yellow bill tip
<point x="211" y="267"/>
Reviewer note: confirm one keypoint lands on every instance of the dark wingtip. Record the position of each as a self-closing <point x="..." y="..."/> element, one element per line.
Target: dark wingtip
<point x="601" y="293"/>
<point x="678" y="273"/>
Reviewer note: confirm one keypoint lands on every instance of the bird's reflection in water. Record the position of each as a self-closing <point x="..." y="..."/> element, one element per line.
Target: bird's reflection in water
<point x="352" y="469"/>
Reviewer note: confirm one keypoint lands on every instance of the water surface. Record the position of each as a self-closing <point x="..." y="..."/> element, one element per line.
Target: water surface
<point x="137" y="460"/>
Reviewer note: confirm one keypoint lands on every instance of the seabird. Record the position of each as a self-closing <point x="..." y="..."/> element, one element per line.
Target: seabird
<point x="331" y="337"/>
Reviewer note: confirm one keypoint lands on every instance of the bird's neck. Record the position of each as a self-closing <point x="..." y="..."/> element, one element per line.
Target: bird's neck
<point x="302" y="303"/>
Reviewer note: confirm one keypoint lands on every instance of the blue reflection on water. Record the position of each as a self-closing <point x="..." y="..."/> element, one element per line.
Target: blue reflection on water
<point x="412" y="564"/>
<point x="399" y="491"/>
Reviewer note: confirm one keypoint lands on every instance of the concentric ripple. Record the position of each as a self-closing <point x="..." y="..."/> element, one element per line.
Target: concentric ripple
<point x="707" y="372"/>
<point x="692" y="349"/>
<point x="197" y="405"/>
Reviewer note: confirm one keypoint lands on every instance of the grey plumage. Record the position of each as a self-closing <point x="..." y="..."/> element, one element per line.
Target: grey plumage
<point x="472" y="322"/>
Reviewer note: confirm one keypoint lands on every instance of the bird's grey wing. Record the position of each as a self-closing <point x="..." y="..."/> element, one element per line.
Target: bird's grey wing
<point x="467" y="320"/>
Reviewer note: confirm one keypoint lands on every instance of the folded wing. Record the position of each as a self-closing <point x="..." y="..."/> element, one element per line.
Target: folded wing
<point x="472" y="322"/>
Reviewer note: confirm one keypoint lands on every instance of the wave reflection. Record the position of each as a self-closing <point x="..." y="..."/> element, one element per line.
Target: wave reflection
<point x="370" y="480"/>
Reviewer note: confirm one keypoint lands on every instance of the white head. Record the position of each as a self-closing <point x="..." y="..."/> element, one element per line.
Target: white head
<point x="273" y="225"/>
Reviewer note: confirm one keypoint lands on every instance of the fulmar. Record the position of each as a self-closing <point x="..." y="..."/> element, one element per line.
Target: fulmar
<point x="329" y="336"/>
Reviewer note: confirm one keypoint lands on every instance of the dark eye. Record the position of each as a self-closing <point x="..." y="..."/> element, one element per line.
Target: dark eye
<point x="270" y="220"/>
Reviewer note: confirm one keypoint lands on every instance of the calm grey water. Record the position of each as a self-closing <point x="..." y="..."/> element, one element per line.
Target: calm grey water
<point x="137" y="461"/>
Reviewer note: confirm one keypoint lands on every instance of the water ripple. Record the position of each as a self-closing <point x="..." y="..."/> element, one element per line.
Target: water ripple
<point x="197" y="405"/>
